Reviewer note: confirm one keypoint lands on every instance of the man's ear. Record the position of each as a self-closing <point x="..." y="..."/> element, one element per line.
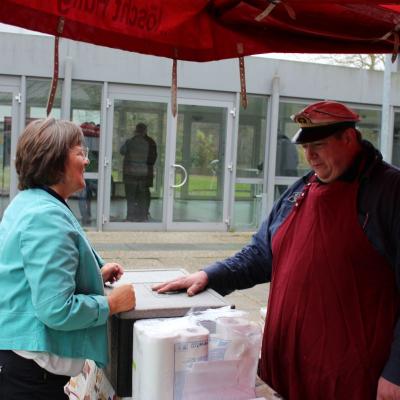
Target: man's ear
<point x="349" y="136"/>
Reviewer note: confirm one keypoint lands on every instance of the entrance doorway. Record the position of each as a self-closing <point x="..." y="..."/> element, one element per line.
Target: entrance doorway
<point x="199" y="167"/>
<point x="173" y="176"/>
<point x="136" y="153"/>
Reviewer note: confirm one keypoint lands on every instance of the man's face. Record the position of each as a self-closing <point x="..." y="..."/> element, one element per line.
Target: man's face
<point x="329" y="157"/>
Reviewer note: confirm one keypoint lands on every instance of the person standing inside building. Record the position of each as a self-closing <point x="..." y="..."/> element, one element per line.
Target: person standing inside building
<point x="330" y="248"/>
<point x="286" y="157"/>
<point x="53" y="309"/>
<point x="140" y="155"/>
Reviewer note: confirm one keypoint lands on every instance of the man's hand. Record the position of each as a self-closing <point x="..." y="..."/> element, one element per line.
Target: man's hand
<point x="111" y="272"/>
<point x="194" y="283"/>
<point x="387" y="390"/>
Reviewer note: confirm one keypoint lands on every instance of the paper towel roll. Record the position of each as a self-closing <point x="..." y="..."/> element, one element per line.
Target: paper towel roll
<point x="138" y="328"/>
<point x="191" y="347"/>
<point x="229" y="327"/>
<point x="154" y="356"/>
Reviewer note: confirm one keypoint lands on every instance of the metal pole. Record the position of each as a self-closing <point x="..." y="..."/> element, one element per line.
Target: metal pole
<point x="271" y="144"/>
<point x="386" y="134"/>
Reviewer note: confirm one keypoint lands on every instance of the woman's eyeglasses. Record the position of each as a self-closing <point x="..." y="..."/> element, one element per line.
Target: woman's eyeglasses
<point x="84" y="152"/>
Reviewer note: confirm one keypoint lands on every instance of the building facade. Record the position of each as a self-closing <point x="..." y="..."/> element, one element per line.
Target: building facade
<point x="219" y="166"/>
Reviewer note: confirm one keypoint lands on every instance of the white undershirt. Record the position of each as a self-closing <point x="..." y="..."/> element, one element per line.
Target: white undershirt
<point x="53" y="363"/>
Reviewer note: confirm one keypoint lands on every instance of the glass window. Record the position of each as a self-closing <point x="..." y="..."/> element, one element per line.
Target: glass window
<point x="290" y="160"/>
<point x="396" y="140"/>
<point x="370" y="124"/>
<point x="37" y="93"/>
<point x="247" y="207"/>
<point x="138" y="157"/>
<point x="86" y="112"/>
<point x="5" y="149"/>
<point x="251" y="138"/>
<point x="200" y="151"/>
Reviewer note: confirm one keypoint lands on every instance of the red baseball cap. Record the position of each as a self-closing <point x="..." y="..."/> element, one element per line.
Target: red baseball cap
<point x="320" y="120"/>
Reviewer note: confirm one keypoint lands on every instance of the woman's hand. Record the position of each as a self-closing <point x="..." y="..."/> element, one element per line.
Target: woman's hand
<point x="111" y="272"/>
<point x="122" y="298"/>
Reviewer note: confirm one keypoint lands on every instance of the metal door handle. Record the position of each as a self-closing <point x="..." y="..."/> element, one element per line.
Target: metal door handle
<point x="185" y="175"/>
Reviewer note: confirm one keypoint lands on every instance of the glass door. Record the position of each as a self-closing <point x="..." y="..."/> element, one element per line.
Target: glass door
<point x="199" y="173"/>
<point x="134" y="176"/>
<point x="249" y="193"/>
<point x="5" y="148"/>
<point x="8" y="138"/>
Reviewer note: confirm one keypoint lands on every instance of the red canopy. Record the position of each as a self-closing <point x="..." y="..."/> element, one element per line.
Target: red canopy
<point x="204" y="30"/>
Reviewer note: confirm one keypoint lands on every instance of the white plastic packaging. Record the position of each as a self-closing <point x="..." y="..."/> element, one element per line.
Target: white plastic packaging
<point x="210" y="355"/>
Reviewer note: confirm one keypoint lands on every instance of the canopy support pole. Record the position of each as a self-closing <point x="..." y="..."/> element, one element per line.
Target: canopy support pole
<point x="386" y="134"/>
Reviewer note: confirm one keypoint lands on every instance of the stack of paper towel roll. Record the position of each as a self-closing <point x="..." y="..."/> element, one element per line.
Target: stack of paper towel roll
<point x="161" y="356"/>
<point x="167" y="354"/>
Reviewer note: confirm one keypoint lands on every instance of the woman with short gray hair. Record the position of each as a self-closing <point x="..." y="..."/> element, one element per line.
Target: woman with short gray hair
<point x="53" y="311"/>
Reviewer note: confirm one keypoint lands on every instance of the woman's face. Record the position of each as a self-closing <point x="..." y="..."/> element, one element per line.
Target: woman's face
<point x="75" y="165"/>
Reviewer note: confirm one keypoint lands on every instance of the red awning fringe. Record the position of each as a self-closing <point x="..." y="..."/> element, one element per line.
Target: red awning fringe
<point x="174" y="88"/>
<point x="396" y="41"/>
<point x="271" y="6"/>
<point x="395" y="46"/>
<point x="54" y="81"/>
<point x="243" y="93"/>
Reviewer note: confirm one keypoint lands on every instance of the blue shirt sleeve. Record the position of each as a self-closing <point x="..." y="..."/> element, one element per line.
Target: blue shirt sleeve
<point x="248" y="267"/>
<point x="253" y="264"/>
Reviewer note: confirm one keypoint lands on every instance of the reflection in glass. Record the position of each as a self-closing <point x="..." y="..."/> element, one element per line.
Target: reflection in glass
<point x="369" y="125"/>
<point x="287" y="157"/>
<point x="5" y="149"/>
<point x="200" y="145"/>
<point x="140" y="155"/>
<point x="37" y="93"/>
<point x="86" y="111"/>
<point x="247" y="207"/>
<point x="251" y="138"/>
<point x="127" y="116"/>
<point x="396" y="140"/>
<point x="290" y="160"/>
<point x="87" y="200"/>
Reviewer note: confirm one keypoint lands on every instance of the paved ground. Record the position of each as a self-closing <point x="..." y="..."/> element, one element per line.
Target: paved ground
<point x="188" y="250"/>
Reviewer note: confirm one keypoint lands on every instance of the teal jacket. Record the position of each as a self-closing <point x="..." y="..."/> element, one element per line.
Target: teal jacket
<point x="51" y="289"/>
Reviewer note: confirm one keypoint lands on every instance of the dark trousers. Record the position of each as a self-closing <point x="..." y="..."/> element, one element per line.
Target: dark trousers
<point x="138" y="201"/>
<point x="23" y="379"/>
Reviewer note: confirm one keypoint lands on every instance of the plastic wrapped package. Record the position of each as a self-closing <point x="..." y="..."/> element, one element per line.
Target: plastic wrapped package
<point x="208" y="355"/>
<point x="90" y="384"/>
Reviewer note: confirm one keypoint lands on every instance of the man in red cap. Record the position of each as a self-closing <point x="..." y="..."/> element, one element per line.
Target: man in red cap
<point x="330" y="248"/>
